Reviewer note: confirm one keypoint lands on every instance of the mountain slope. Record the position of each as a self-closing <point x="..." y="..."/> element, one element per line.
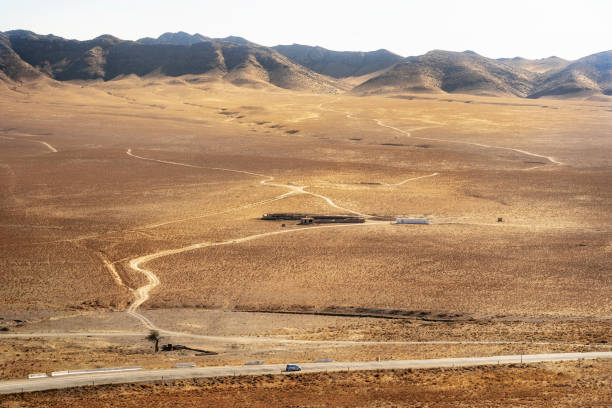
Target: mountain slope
<point x="445" y="71"/>
<point x="107" y="57"/>
<point x="25" y="55"/>
<point x="180" y="38"/>
<point x="539" y="66"/>
<point x="183" y="38"/>
<point x="12" y="67"/>
<point x="588" y="75"/>
<point x="338" y="64"/>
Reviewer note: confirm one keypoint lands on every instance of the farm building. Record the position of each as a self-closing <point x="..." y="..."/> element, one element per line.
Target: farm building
<point x="331" y="219"/>
<point x="412" y="221"/>
<point x="314" y="218"/>
<point x="283" y="216"/>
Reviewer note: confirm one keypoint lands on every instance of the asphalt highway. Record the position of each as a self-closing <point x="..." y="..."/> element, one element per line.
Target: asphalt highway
<point x="48" y="383"/>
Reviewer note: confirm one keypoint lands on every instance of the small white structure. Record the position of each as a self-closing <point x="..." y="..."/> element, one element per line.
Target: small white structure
<point x="412" y="221"/>
<point x="37" y="375"/>
<point x="185" y="365"/>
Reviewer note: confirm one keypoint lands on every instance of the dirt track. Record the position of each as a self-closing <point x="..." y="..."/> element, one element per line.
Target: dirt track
<point x="406" y="133"/>
<point x="142" y="294"/>
<point x="379" y="122"/>
<point x="47" y="145"/>
<point x="240" y="339"/>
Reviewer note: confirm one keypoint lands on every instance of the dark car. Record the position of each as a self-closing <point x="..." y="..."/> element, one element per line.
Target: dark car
<point x="293" y="367"/>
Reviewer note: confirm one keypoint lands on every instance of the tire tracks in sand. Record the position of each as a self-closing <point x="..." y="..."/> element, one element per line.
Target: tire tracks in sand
<point x="142" y="294"/>
<point x="552" y="160"/>
<point x="47" y="145"/>
<point x="379" y="122"/>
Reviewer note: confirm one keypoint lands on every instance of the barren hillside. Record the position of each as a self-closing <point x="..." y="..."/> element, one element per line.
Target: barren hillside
<point x="540" y="66"/>
<point x="25" y="55"/>
<point x="11" y="64"/>
<point x="338" y="64"/>
<point x="455" y="72"/>
<point x="588" y="75"/>
<point x="180" y="38"/>
<point x="107" y="57"/>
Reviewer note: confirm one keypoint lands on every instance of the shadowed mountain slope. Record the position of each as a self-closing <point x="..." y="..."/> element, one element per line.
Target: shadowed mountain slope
<point x="25" y="55"/>
<point x="12" y="67"/>
<point x="107" y="57"/>
<point x="338" y="64"/>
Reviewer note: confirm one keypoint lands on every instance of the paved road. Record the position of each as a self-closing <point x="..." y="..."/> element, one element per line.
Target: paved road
<point x="25" y="385"/>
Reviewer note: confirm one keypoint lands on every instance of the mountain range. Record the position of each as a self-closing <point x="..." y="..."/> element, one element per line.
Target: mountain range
<point x="25" y="56"/>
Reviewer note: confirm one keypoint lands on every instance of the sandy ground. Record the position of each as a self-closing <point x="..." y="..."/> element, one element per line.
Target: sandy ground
<point x="114" y="339"/>
<point x="76" y="210"/>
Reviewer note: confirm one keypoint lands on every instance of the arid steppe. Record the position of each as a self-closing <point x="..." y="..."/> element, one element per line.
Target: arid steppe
<point x="135" y="204"/>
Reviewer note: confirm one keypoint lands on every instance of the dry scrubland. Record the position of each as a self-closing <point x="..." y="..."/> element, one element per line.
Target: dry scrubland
<point x="22" y="357"/>
<point x="442" y="269"/>
<point x="75" y="208"/>
<point x="64" y="212"/>
<point x="567" y="384"/>
<point x="235" y="338"/>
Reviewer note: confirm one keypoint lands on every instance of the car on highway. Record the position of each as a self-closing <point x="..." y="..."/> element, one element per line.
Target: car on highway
<point x="292" y="367"/>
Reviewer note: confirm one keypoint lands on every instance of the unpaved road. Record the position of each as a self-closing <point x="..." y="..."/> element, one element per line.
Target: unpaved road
<point x="267" y="181"/>
<point x="142" y="294"/>
<point x="406" y="133"/>
<point x="411" y="179"/>
<point x="280" y="341"/>
<point x="16" y="386"/>
<point x="47" y="145"/>
<point x="379" y="122"/>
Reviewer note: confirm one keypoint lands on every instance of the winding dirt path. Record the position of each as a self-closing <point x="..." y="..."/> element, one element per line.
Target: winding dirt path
<point x="552" y="160"/>
<point x="53" y="149"/>
<point x="379" y="122"/>
<point x="142" y="294"/>
<point x="110" y="267"/>
<point x="267" y="181"/>
<point x="47" y="145"/>
<point x="412" y="179"/>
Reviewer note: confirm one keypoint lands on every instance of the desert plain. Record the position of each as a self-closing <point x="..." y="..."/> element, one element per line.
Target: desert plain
<point x="135" y="204"/>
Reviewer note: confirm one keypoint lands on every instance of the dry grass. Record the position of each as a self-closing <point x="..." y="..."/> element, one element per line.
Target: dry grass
<point x="21" y="356"/>
<point x="560" y="384"/>
<point x="474" y="270"/>
<point x="572" y="331"/>
<point x="60" y="212"/>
